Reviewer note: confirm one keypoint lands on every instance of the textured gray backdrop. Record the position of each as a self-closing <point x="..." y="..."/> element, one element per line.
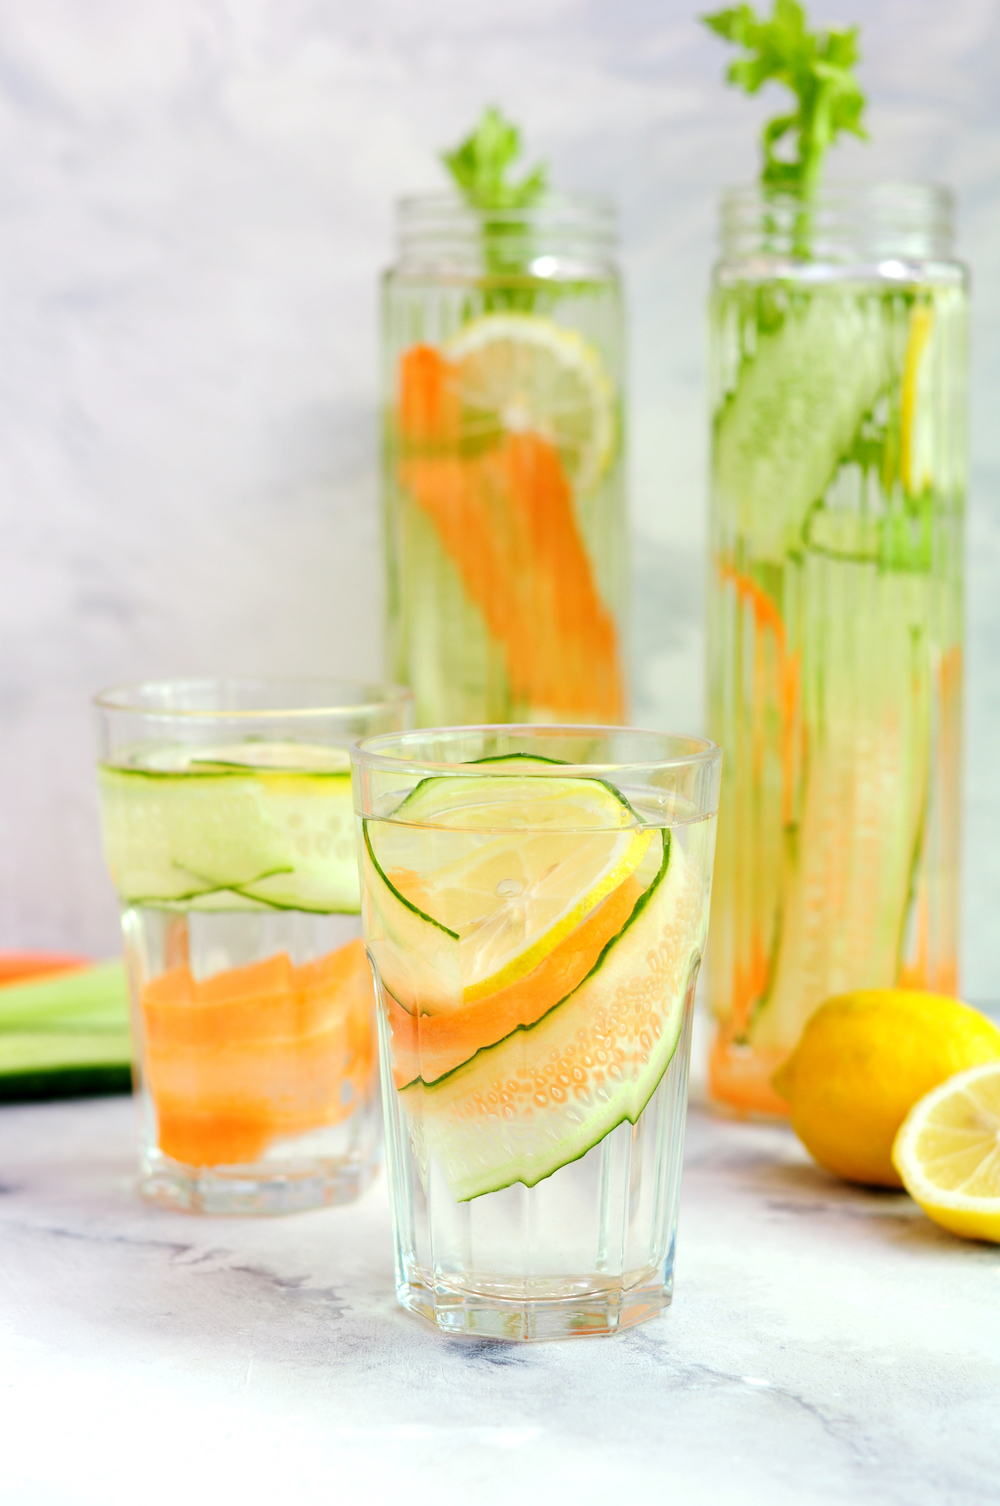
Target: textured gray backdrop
<point x="195" y="204"/>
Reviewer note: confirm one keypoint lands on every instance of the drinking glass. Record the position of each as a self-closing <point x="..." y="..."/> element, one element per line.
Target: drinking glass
<point x="229" y="832"/>
<point x="835" y="611"/>
<point x="535" y="903"/>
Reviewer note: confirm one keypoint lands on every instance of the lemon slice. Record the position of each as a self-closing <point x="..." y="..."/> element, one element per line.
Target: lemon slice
<point x="913" y="466"/>
<point x="948" y="1153"/>
<point x="508" y="866"/>
<point x="521" y="372"/>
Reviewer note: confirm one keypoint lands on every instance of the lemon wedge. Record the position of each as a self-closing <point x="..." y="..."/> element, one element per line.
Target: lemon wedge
<point x="948" y="1153"/>
<point x="506" y="866"/>
<point x="521" y="372"/>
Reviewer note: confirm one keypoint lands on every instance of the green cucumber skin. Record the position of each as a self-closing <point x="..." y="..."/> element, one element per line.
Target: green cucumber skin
<point x="65" y="1082"/>
<point x="401" y="899"/>
<point x="393" y="916"/>
<point x="216" y="769"/>
<point x="517" y="759"/>
<point x="418" y="1094"/>
<point x="411" y="807"/>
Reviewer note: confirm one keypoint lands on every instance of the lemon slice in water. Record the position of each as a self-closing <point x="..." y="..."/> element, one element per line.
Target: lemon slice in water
<point x="520" y="372"/>
<point x="507" y="866"/>
<point x="948" y="1153"/>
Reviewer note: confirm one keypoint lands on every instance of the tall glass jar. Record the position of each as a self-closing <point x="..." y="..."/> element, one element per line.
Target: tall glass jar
<point x="835" y="622"/>
<point x="505" y="529"/>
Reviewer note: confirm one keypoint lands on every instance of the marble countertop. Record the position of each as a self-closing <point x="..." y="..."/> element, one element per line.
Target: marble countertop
<point x="825" y="1344"/>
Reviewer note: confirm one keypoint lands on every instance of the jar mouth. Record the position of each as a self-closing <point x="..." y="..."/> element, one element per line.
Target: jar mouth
<point x="840" y="222"/>
<point x="557" y="235"/>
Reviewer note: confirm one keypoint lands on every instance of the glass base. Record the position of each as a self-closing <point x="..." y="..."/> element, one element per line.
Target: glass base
<point x="188" y="1189"/>
<point x="564" y="1308"/>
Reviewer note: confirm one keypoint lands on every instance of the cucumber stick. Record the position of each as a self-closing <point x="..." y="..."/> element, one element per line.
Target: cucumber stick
<point x="65" y="1036"/>
<point x="798" y="405"/>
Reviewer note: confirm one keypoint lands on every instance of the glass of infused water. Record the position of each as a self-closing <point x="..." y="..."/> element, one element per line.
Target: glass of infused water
<point x="229" y="832"/>
<point x="535" y="905"/>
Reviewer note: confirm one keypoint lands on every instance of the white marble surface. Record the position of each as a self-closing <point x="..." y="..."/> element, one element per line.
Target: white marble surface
<point x="826" y="1345"/>
<point x="195" y="203"/>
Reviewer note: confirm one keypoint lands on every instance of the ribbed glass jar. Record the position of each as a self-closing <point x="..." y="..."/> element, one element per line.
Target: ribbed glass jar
<point x="503" y="486"/>
<point x="835" y="618"/>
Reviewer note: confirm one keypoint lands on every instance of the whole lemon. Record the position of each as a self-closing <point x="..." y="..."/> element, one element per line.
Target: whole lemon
<point x="863" y="1061"/>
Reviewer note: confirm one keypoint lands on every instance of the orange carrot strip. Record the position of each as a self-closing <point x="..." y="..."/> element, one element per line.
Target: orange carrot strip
<point x="429" y="406"/>
<point x="751" y="981"/>
<point x="16" y="966"/>
<point x="765" y="609"/>
<point x="506" y="518"/>
<point x="255" y="1052"/>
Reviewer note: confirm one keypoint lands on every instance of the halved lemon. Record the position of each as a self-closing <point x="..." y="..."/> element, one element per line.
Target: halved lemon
<point x="525" y="372"/>
<point x="948" y="1153"/>
<point x="506" y="867"/>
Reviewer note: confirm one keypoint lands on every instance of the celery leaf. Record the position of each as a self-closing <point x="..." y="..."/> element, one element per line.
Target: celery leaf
<point x="816" y="66"/>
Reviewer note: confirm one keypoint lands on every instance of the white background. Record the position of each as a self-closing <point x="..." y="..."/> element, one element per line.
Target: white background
<point x="194" y="209"/>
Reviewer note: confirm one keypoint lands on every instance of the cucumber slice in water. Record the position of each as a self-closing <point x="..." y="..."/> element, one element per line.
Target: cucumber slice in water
<point x="799" y="403"/>
<point x="218" y="831"/>
<point x="546" y="1094"/>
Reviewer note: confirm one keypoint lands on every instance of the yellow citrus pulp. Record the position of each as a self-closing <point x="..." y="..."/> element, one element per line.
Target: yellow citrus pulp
<point x="948" y="1153"/>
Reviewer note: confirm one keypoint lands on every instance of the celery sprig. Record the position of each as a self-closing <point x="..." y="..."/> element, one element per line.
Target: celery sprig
<point x="480" y="164"/>
<point x="816" y="66"/>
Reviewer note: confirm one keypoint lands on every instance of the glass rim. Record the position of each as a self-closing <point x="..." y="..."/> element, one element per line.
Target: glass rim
<point x="366" y="751"/>
<point x="362" y="696"/>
